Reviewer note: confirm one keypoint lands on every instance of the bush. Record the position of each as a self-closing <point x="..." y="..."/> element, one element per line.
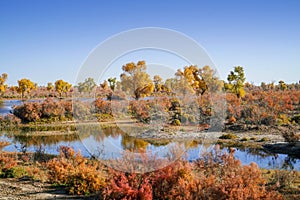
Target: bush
<point x="47" y="111"/>
<point x="7" y="163"/>
<point x="216" y="176"/>
<point x="9" y="121"/>
<point x="290" y="136"/>
<point x="221" y="176"/>
<point x="264" y="139"/>
<point x="245" y="139"/>
<point x="140" y="109"/>
<point x="228" y="136"/>
<point x="80" y="175"/>
<point x="28" y="112"/>
<point x="52" y="109"/>
<point x="102" y="106"/>
<point x="123" y="185"/>
<point x="14" y="172"/>
<point x="296" y="119"/>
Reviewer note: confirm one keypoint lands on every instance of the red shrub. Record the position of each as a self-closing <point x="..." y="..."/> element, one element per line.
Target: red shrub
<point x="28" y="112"/>
<point x="82" y="176"/>
<point x="132" y="186"/>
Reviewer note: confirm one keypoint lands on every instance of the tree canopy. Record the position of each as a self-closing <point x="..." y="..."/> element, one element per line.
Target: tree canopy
<point x="62" y="87"/>
<point x="87" y="86"/>
<point x="25" y="86"/>
<point x="236" y="80"/>
<point x="3" y="86"/>
<point x="135" y="81"/>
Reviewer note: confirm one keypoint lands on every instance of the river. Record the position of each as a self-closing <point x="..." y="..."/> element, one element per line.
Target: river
<point x="113" y="142"/>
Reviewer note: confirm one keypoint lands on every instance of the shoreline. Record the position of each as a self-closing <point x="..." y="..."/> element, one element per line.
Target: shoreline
<point x="269" y="138"/>
<point x="146" y="131"/>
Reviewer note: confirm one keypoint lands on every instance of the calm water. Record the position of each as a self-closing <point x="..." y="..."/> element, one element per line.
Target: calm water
<point x="112" y="141"/>
<point x="7" y="106"/>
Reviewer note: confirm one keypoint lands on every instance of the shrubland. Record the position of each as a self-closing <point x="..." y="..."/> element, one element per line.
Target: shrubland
<point x="215" y="175"/>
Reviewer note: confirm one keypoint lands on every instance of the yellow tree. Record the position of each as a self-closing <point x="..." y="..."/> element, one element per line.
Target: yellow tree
<point x="157" y="80"/>
<point x="62" y="87"/>
<point x="209" y="75"/>
<point x="13" y="89"/>
<point x="135" y="81"/>
<point x="178" y="86"/>
<point x="50" y="86"/>
<point x="144" y="91"/>
<point x="3" y="86"/>
<point x="25" y="86"/>
<point x="193" y="76"/>
<point x="104" y="85"/>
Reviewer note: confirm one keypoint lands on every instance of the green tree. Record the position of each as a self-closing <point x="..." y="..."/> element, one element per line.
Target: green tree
<point x="3" y="86"/>
<point x="112" y="83"/>
<point x="236" y="80"/>
<point x="25" y="86"/>
<point x="62" y="87"/>
<point x="109" y="86"/>
<point x="282" y="85"/>
<point x="87" y="86"/>
<point x="135" y="81"/>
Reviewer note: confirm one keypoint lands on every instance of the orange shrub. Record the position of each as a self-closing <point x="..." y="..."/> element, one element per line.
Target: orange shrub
<point x="7" y="162"/>
<point x="80" y="175"/>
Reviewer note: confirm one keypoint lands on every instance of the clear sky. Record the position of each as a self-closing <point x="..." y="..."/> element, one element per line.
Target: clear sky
<point x="47" y="40"/>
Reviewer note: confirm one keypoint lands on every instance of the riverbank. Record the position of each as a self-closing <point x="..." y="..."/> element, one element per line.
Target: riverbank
<point x="258" y="137"/>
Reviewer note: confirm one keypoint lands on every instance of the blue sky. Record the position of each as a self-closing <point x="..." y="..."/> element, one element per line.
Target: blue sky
<point x="49" y="40"/>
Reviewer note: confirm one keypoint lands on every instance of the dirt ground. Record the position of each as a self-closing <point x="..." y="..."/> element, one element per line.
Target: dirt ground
<point x="19" y="189"/>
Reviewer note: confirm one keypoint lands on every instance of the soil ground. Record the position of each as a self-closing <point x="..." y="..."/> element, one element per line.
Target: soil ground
<point x="22" y="189"/>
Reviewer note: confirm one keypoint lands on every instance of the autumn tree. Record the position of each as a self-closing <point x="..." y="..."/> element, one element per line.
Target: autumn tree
<point x="109" y="86"/>
<point x="87" y="86"/>
<point x="179" y="85"/>
<point x="157" y="80"/>
<point x="13" y="89"/>
<point x="135" y="81"/>
<point x="193" y="76"/>
<point x="209" y="75"/>
<point x="50" y="86"/>
<point x="200" y="80"/>
<point x="62" y="87"/>
<point x="144" y="91"/>
<point x="3" y="86"/>
<point x="25" y="86"/>
<point x="236" y="80"/>
<point x="104" y="85"/>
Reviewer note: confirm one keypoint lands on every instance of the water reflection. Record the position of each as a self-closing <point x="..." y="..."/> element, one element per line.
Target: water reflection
<point x="6" y="106"/>
<point x="115" y="140"/>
